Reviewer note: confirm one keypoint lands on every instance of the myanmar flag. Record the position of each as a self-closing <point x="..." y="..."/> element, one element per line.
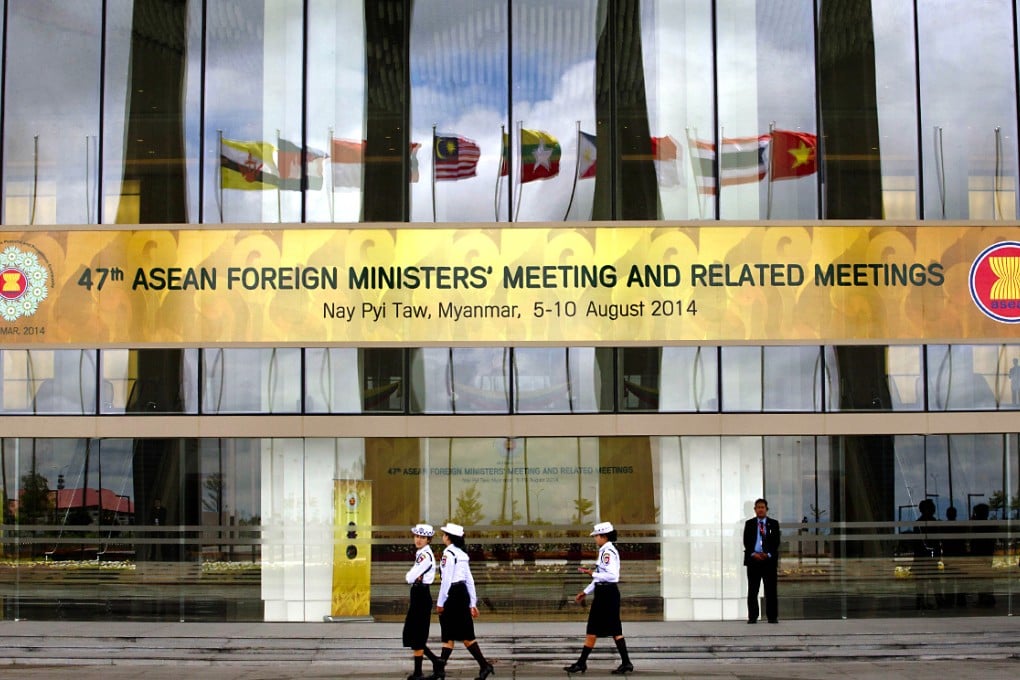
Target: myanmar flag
<point x="247" y="165"/>
<point x="794" y="154"/>
<point x="540" y="155"/>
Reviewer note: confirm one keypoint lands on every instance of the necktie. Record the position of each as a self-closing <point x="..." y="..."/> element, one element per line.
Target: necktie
<point x="761" y="528"/>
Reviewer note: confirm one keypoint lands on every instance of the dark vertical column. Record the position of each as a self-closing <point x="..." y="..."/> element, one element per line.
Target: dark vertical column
<point x="154" y="163"/>
<point x="626" y="187"/>
<point x="385" y="195"/>
<point x="849" y="109"/>
<point x="852" y="176"/>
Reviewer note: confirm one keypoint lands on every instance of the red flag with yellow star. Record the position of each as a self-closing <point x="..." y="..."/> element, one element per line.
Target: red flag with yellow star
<point x="793" y="154"/>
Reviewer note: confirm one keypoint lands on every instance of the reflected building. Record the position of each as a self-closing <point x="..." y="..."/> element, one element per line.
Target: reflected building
<point x="280" y="114"/>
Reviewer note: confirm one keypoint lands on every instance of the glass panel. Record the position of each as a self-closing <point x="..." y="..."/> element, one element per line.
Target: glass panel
<point x="867" y="93"/>
<point x="253" y="81"/>
<point x="876" y="378"/>
<point x="49" y="381"/>
<point x="742" y="378"/>
<point x="347" y="380"/>
<point x="670" y="379"/>
<point x="51" y="124"/>
<point x="251" y="380"/>
<point x="766" y="79"/>
<point x="460" y="380"/>
<point x="336" y="123"/>
<point x="792" y="377"/>
<point x="968" y="125"/>
<point x="963" y="377"/>
<point x="459" y="85"/>
<point x="1007" y="377"/>
<point x="149" y="381"/>
<point x="677" y="53"/>
<point x="230" y="494"/>
<point x="558" y="380"/>
<point x="147" y="147"/>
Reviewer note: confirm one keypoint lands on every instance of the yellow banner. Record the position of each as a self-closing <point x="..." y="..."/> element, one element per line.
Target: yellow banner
<point x="667" y="283"/>
<point x="352" y="547"/>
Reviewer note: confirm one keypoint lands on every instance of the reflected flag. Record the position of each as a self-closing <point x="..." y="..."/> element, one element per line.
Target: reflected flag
<point x="347" y="157"/>
<point x="587" y="154"/>
<point x="742" y="162"/>
<point x="247" y="165"/>
<point x="540" y="155"/>
<point x="504" y="157"/>
<point x="666" y="154"/>
<point x="289" y="159"/>
<point x="793" y="154"/>
<point x="454" y="157"/>
<point x="413" y="165"/>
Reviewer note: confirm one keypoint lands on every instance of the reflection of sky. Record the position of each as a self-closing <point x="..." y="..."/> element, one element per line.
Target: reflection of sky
<point x="460" y="54"/>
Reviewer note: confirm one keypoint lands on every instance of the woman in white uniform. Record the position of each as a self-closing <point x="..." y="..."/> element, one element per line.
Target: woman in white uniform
<point x="419" y="610"/>
<point x="457" y="603"/>
<point x="604" y="615"/>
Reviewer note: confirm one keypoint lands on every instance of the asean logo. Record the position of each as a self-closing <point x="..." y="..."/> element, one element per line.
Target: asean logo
<point x="22" y="283"/>
<point x="995" y="281"/>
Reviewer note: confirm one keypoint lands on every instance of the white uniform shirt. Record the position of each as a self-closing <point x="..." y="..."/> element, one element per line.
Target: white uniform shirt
<point x="424" y="567"/>
<point x="607" y="567"/>
<point x="454" y="568"/>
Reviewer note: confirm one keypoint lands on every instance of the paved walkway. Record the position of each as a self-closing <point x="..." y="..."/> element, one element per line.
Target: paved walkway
<point x="917" y="648"/>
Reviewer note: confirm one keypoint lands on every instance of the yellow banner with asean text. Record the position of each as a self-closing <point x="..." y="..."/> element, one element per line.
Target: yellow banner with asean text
<point x="666" y="283"/>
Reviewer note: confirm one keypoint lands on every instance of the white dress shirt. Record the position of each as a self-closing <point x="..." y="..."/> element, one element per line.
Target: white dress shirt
<point x="424" y="566"/>
<point x="607" y="567"/>
<point x="454" y="568"/>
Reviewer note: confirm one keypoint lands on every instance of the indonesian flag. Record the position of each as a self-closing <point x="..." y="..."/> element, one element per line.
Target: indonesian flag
<point x="347" y="158"/>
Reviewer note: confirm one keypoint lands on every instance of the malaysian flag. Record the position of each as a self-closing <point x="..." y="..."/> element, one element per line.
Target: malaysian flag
<point x="455" y="157"/>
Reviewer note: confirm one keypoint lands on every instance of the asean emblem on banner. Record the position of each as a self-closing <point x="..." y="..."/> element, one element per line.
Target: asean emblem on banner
<point x="23" y="279"/>
<point x="995" y="281"/>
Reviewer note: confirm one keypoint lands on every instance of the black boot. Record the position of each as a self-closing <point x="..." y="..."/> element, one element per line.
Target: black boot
<point x="581" y="665"/>
<point x="625" y="665"/>
<point x="577" y="667"/>
<point x="486" y="671"/>
<point x="438" y="671"/>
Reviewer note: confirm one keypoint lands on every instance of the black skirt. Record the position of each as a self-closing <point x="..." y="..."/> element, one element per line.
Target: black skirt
<point x="455" y="622"/>
<point x="604" y="615"/>
<point x="419" y="617"/>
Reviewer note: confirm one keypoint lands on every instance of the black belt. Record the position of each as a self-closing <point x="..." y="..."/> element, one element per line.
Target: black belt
<point x="420" y="585"/>
<point x="603" y="585"/>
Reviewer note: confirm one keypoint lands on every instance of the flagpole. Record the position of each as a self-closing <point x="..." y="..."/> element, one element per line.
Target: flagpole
<point x="997" y="212"/>
<point x="279" y="210"/>
<point x="35" y="176"/>
<point x="332" y="179"/>
<point x="88" y="204"/>
<point x="434" y="172"/>
<point x="219" y="194"/>
<point x="940" y="169"/>
<point x="499" y="169"/>
<point x="520" y="160"/>
<point x="577" y="169"/>
<point x="694" y="169"/>
<point x="768" y="184"/>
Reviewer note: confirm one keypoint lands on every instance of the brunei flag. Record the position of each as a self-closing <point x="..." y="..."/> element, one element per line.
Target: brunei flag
<point x="247" y="165"/>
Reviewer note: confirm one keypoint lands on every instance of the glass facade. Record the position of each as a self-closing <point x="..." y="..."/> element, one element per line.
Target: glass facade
<point x="197" y="483"/>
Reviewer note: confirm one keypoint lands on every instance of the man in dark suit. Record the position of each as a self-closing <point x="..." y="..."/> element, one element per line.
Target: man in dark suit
<point x="761" y="557"/>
